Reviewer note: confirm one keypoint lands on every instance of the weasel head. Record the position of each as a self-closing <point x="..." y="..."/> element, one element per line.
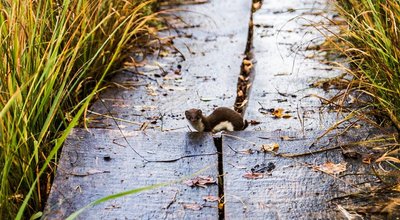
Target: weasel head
<point x="194" y="117"/>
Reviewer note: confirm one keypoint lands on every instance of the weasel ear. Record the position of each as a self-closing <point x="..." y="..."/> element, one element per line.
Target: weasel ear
<point x="187" y="112"/>
<point x="199" y="111"/>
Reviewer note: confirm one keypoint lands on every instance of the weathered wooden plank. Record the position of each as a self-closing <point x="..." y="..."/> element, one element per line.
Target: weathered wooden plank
<point x="212" y="45"/>
<point x="289" y="188"/>
<point x="285" y="66"/>
<point x="100" y="163"/>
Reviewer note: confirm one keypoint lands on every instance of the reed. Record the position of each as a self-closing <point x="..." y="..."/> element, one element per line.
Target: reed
<point x="372" y="45"/>
<point x="55" y="54"/>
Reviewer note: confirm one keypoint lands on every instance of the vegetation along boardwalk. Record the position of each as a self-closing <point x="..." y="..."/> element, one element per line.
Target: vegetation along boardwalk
<point x="263" y="59"/>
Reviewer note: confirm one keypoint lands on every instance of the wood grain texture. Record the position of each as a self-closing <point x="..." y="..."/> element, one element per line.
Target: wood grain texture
<point x="285" y="32"/>
<point x="100" y="163"/>
<point x="211" y="43"/>
<point x="292" y="189"/>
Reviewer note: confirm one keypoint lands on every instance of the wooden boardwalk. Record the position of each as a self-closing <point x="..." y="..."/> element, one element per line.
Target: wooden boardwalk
<point x="138" y="136"/>
<point x="101" y="163"/>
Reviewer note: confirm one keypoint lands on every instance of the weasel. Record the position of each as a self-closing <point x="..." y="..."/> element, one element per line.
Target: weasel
<point x="220" y="119"/>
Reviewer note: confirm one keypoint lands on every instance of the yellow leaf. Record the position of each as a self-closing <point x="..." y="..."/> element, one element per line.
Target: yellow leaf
<point x="274" y="147"/>
<point x="247" y="62"/>
<point x="256" y="5"/>
<point x="278" y="112"/>
<point x="192" y="206"/>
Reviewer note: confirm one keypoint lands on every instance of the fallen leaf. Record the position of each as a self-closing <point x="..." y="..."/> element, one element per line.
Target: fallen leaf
<point x="279" y="113"/>
<point x="177" y="72"/>
<point x="194" y="206"/>
<point x="211" y="198"/>
<point x="163" y="53"/>
<point x="151" y="90"/>
<point x="367" y="159"/>
<point x="256" y="5"/>
<point x="200" y="181"/>
<point x="247" y="66"/>
<point x="331" y="168"/>
<point x="247" y="62"/>
<point x="252" y="175"/>
<point x="273" y="147"/>
<point x="247" y="69"/>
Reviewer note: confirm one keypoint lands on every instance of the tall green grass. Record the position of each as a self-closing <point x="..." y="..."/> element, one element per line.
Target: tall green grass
<point x="51" y="51"/>
<point x="372" y="43"/>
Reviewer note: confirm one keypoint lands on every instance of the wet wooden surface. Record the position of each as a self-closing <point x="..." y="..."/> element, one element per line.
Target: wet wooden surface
<point x="289" y="187"/>
<point x="286" y="34"/>
<point x="211" y="46"/>
<point x="100" y="163"/>
<point x="154" y="97"/>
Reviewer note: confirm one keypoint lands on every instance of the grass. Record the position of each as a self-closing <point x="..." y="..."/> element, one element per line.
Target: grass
<point x="372" y="44"/>
<point x="55" y="54"/>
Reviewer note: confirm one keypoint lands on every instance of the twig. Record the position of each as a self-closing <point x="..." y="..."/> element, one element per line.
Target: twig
<point x="239" y="138"/>
<point x="173" y="200"/>
<point x="301" y="119"/>
<point x="114" y="118"/>
<point x="179" y="158"/>
<point x="232" y="149"/>
<point x="122" y="133"/>
<point x="307" y="153"/>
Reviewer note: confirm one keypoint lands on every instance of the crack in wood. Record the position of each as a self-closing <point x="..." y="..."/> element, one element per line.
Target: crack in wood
<point x="221" y="210"/>
<point x="246" y="75"/>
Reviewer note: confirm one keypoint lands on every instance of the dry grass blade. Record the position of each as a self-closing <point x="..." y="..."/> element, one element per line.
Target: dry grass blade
<point x="50" y="56"/>
<point x="372" y="44"/>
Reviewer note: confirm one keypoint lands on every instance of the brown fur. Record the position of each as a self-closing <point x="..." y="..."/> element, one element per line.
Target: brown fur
<point x="221" y="114"/>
